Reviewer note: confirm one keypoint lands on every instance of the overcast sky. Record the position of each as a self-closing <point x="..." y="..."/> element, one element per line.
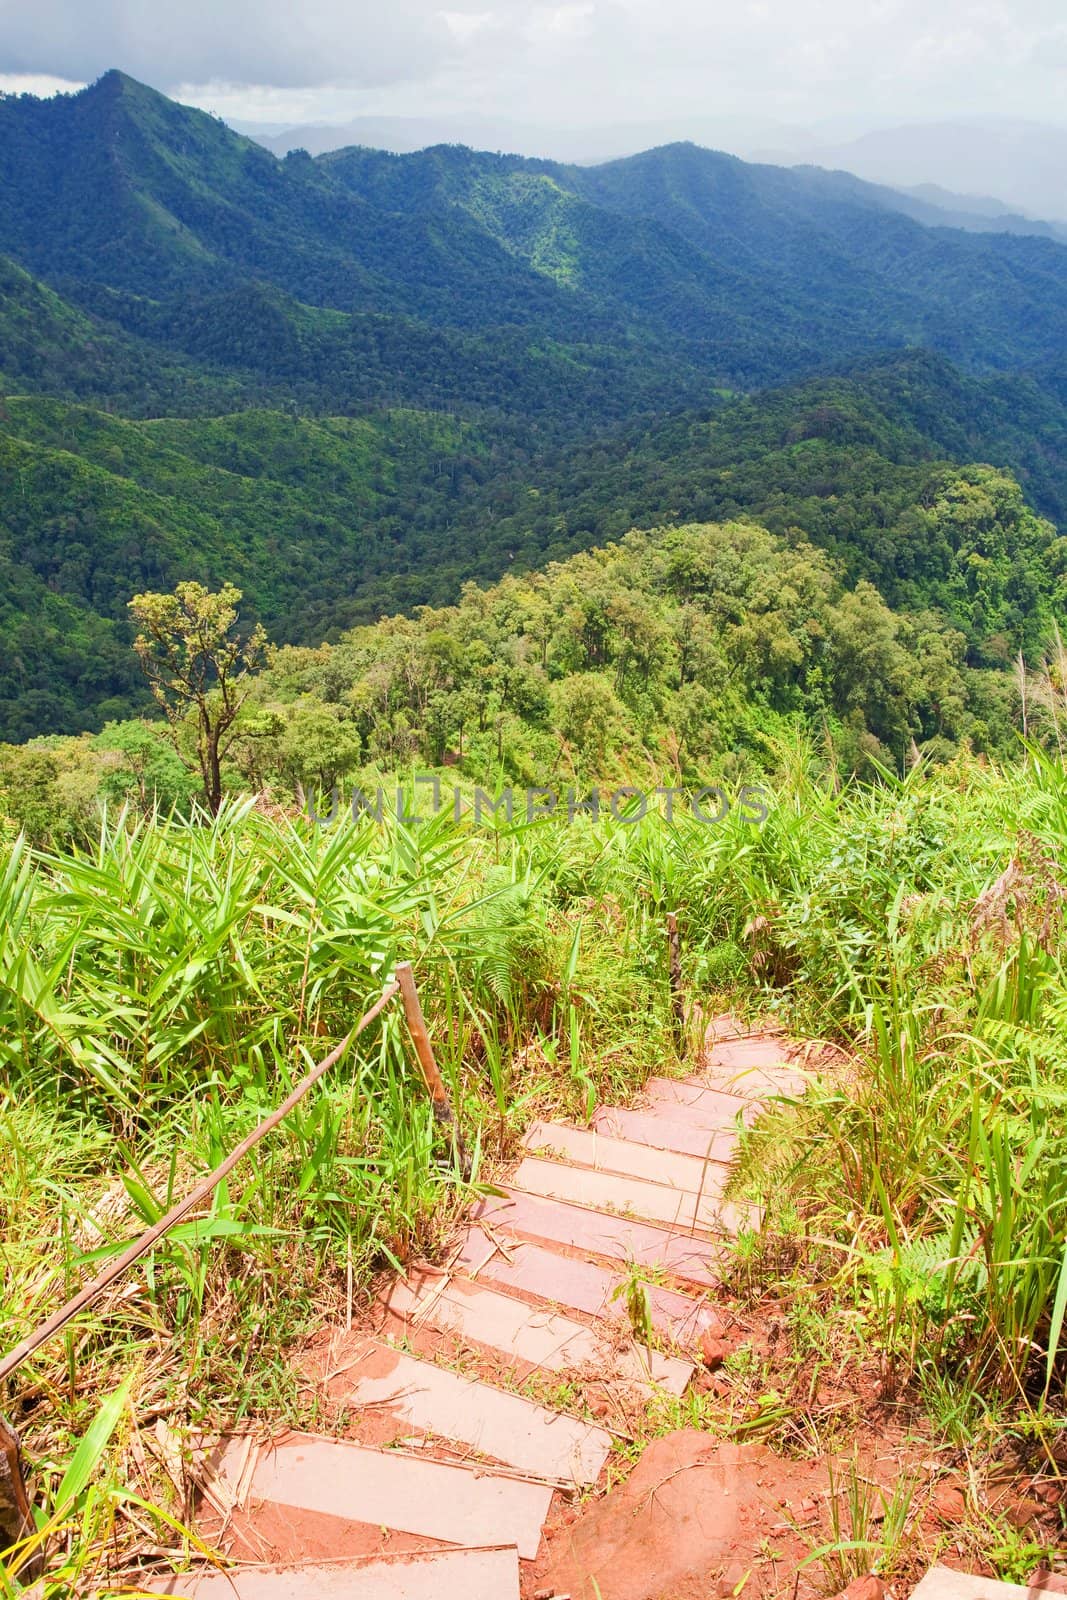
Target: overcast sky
<point x="578" y="63"/>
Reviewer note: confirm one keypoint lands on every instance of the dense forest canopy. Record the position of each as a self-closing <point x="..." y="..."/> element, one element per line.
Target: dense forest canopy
<point x="352" y="385"/>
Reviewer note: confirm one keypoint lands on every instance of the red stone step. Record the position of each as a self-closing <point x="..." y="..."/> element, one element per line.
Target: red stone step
<point x="589" y="1147"/>
<point x="945" y="1583"/>
<point x="598" y="1233"/>
<point x="581" y="1285"/>
<point x="663" y="1132"/>
<point x="752" y="1067"/>
<point x="531" y="1335"/>
<point x="530" y="1438"/>
<point x="713" y="1109"/>
<point x="460" y="1505"/>
<point x="436" y="1575"/>
<point x="678" y="1209"/>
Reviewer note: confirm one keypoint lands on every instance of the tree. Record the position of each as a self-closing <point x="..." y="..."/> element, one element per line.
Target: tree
<point x="142" y="767"/>
<point x="317" y="747"/>
<point x="198" y="667"/>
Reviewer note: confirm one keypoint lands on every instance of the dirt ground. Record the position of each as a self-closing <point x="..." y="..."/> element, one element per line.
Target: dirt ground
<point x="737" y="1505"/>
<point x="692" y="1514"/>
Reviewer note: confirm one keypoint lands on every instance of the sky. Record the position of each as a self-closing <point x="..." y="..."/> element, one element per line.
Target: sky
<point x="580" y="63"/>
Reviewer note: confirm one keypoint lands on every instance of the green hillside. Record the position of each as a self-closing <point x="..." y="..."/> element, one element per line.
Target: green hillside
<point x="681" y="235"/>
<point x="97" y="507"/>
<point x="698" y="651"/>
<point x="864" y="466"/>
<point x="353" y="384"/>
<point x="489" y="564"/>
<point x="49" y="345"/>
<point x="327" y="522"/>
<point x="752" y="273"/>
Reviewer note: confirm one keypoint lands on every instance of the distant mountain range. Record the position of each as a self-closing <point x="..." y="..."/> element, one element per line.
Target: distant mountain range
<point x="957" y="166"/>
<point x="1022" y="163"/>
<point x="676" y="263"/>
<point x="583" y="145"/>
<point x="346" y="380"/>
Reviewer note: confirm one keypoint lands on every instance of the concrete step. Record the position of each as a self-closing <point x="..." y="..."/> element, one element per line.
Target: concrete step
<point x="750" y="1050"/>
<point x="604" y="1153"/>
<point x="752" y="1067"/>
<point x="650" y="1202"/>
<point x="438" y="1575"/>
<point x="473" y="1507"/>
<point x="711" y="1109"/>
<point x="943" y="1583"/>
<point x="528" y="1437"/>
<point x="531" y="1334"/>
<point x="580" y="1285"/>
<point x="662" y="1131"/>
<point x="598" y="1233"/>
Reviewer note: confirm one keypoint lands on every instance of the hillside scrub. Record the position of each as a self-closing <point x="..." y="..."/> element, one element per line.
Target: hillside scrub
<point x="681" y="655"/>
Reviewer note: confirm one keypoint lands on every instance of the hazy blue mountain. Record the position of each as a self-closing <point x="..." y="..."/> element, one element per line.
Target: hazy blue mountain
<point x="1020" y="162"/>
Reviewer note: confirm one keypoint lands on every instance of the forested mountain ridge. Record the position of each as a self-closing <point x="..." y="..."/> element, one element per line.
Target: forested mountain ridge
<point x="838" y="460"/>
<point x="352" y="384"/>
<point x="752" y="273"/>
<point x="820" y="253"/>
<point x="332" y="521"/>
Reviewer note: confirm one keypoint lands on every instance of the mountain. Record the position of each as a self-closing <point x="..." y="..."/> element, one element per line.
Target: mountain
<point x="978" y="213"/>
<point x="938" y="208"/>
<point x="592" y="143"/>
<point x="747" y="274"/>
<point x="350" y="384"/>
<point x="1021" y="162"/>
<point x="842" y="462"/>
<point x="889" y="158"/>
<point x="829" y="262"/>
<point x="329" y="522"/>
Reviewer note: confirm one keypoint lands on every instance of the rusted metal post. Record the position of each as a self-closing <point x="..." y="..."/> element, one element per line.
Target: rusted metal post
<point x="16" y="1517"/>
<point x="674" y="953"/>
<point x="431" y="1074"/>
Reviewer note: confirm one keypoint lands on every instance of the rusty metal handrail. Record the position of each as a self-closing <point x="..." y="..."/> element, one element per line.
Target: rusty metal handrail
<point x="151" y="1236"/>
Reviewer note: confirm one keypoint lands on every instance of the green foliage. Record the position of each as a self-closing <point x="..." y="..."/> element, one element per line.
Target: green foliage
<point x="655" y="250"/>
<point x="672" y="651"/>
<point x="313" y="520"/>
<point x="542" y="304"/>
<point x="350" y="387"/>
<point x="198" y="666"/>
<point x="144" y="770"/>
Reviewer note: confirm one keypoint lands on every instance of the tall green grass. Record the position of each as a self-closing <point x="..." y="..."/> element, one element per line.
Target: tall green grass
<point x="161" y="991"/>
<point x="922" y="921"/>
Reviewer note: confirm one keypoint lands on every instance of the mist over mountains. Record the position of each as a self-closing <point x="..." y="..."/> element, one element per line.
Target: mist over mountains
<point x="1019" y="163"/>
<point x="982" y="167"/>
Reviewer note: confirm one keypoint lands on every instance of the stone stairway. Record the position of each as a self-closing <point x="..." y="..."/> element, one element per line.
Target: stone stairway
<point x="494" y="1384"/>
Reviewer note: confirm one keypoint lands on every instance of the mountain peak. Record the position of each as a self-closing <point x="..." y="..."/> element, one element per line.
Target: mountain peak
<point x="117" y="88"/>
<point x="113" y="83"/>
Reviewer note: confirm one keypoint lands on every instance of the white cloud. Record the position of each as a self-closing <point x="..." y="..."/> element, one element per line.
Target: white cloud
<point x="240" y="41"/>
<point x="41" y="84"/>
<point x="551" y="23"/>
<point x="465" y="24"/>
<point x="563" y="60"/>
